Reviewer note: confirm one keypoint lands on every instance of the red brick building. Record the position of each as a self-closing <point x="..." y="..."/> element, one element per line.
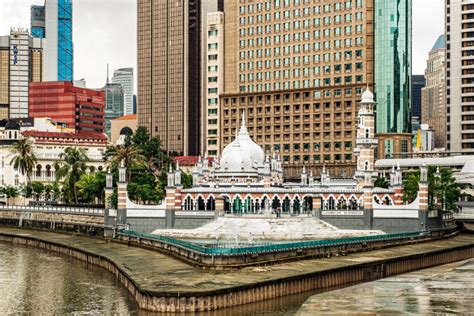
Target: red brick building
<point x="81" y="109"/>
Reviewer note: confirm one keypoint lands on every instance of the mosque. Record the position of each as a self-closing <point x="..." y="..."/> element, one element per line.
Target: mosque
<point x="246" y="181"/>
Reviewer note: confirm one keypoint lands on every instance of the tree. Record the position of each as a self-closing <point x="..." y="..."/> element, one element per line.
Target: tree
<point x="382" y="182"/>
<point x="443" y="191"/>
<point x="48" y="189"/>
<point x="56" y="190"/>
<point x="410" y="185"/>
<point x="91" y="187"/>
<point x="73" y="165"/>
<point x="446" y="191"/>
<point x="10" y="192"/>
<point x="186" y="180"/>
<point x="24" y="158"/>
<point x="37" y="189"/>
<point x="130" y="155"/>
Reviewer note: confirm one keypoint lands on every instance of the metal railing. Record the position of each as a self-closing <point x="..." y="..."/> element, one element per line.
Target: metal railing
<point x="270" y="247"/>
<point x="53" y="209"/>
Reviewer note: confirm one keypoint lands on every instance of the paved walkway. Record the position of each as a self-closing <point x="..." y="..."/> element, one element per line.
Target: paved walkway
<point x="155" y="272"/>
<point x="447" y="289"/>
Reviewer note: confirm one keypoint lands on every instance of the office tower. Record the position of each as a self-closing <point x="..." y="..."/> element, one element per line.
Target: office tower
<point x="393" y="44"/>
<point x="297" y="69"/>
<point x="124" y="76"/>
<point x="417" y="83"/>
<point x="20" y="63"/>
<point x="53" y="21"/>
<point x="393" y="37"/>
<point x="170" y="72"/>
<point x="214" y="81"/>
<point x="459" y="79"/>
<point x="114" y="103"/>
<point x="79" y="108"/>
<point x="38" y="23"/>
<point x="433" y="94"/>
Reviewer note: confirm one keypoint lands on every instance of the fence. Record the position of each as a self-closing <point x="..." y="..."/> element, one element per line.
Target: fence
<point x="270" y="247"/>
<point x="53" y="209"/>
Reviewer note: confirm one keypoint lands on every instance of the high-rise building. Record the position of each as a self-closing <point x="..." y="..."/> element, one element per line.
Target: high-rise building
<point x="417" y="83"/>
<point x="393" y="42"/>
<point x="20" y="63"/>
<point x="53" y="21"/>
<point x="297" y="69"/>
<point x="124" y="76"/>
<point x="79" y="108"/>
<point x="170" y="71"/>
<point x="459" y="76"/>
<point x="114" y="104"/>
<point x="433" y="94"/>
<point x="214" y="82"/>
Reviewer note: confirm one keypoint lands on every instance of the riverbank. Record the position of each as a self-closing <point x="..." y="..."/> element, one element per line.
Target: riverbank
<point x="160" y="283"/>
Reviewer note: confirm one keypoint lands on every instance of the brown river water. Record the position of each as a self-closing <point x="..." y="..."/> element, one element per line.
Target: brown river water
<point x="37" y="282"/>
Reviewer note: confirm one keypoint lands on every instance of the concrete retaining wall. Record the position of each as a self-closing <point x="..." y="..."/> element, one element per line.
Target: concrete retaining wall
<point x="202" y="301"/>
<point x="53" y="216"/>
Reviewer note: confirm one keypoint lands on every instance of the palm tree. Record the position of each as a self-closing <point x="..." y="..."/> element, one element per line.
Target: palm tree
<point x="24" y="158"/>
<point x="88" y="188"/>
<point x="131" y="156"/>
<point x="73" y="165"/>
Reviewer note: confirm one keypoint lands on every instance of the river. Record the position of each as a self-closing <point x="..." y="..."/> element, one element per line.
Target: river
<point x="34" y="281"/>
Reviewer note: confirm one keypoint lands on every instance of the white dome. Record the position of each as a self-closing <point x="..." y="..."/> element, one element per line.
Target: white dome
<point x="235" y="158"/>
<point x="367" y="96"/>
<point x="255" y="151"/>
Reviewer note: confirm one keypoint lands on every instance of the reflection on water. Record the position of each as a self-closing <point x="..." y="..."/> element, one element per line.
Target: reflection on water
<point x="38" y="282"/>
<point x="447" y="289"/>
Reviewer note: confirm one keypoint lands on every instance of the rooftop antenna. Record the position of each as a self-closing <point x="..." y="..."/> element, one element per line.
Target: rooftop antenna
<point x="107" y="73"/>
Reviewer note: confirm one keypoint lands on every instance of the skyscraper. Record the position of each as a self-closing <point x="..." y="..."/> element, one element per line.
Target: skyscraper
<point x="417" y="83"/>
<point x="459" y="77"/>
<point x="114" y="104"/>
<point x="297" y="69"/>
<point x="169" y="72"/>
<point x="20" y="63"/>
<point x="53" y="21"/>
<point x="433" y="98"/>
<point x="124" y="76"/>
<point x="393" y="40"/>
<point x="214" y="81"/>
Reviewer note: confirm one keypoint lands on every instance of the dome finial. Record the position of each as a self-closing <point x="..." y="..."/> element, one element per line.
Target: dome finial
<point x="367" y="96"/>
<point x="243" y="117"/>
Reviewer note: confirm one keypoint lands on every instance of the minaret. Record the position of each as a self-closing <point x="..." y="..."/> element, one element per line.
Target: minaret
<point x="366" y="141"/>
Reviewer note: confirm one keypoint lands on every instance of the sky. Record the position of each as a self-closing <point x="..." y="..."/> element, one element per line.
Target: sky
<point x="105" y="32"/>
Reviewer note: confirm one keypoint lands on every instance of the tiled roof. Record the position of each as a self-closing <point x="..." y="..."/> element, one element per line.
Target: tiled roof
<point x="126" y="117"/>
<point x="81" y="136"/>
<point x="188" y="160"/>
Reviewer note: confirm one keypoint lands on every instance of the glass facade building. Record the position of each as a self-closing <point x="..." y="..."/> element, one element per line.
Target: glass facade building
<point x="393" y="57"/>
<point x="53" y="21"/>
<point x="65" y="49"/>
<point x="38" y="21"/>
<point x="114" y="104"/>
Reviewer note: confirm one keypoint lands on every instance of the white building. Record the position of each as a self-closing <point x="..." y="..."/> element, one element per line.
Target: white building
<point x="48" y="146"/>
<point x="124" y="76"/>
<point x="460" y="76"/>
<point x="214" y="82"/>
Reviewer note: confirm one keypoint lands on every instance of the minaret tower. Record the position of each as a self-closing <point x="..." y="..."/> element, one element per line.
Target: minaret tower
<point x="366" y="141"/>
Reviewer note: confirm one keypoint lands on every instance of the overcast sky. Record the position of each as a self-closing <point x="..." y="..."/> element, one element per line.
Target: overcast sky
<point x="105" y="32"/>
